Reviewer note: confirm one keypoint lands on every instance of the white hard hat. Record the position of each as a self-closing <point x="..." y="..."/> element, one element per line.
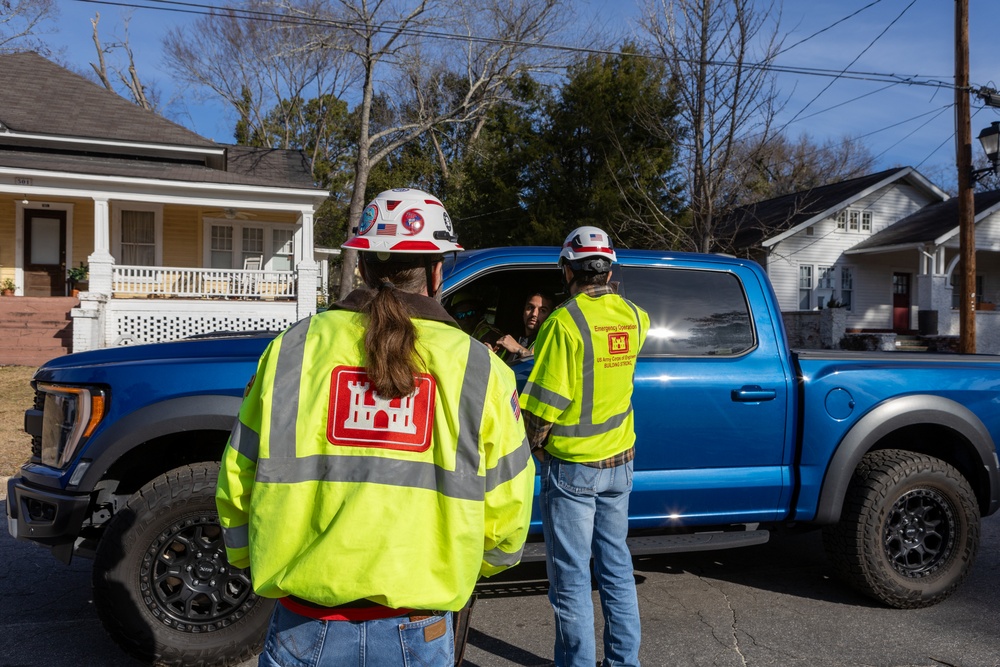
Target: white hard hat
<point x="588" y="243"/>
<point x="406" y="221"/>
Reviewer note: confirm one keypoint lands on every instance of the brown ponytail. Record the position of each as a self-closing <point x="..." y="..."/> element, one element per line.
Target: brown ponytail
<point x="390" y="341"/>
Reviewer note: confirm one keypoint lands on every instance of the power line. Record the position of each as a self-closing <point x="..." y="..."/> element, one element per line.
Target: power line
<point x="832" y="25"/>
<point x="856" y="58"/>
<point x="177" y="6"/>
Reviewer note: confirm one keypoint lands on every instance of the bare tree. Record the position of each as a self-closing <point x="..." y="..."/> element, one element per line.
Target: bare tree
<point x="129" y="78"/>
<point x="406" y="66"/>
<point x="717" y="52"/>
<point x="254" y="56"/>
<point x="20" y="23"/>
<point x="783" y="166"/>
<point x="410" y="51"/>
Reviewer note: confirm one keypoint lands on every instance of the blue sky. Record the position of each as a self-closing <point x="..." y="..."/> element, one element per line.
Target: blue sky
<point x="902" y="125"/>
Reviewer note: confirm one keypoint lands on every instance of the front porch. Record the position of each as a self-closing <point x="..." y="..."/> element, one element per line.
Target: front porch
<point x="157" y="304"/>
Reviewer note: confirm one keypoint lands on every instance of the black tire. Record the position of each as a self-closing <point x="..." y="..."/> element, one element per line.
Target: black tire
<point x="909" y="531"/>
<point x="162" y="585"/>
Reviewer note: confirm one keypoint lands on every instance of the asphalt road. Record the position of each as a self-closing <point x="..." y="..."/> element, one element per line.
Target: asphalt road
<point x="770" y="605"/>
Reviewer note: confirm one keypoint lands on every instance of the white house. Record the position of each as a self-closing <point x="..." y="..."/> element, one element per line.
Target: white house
<point x="884" y="246"/>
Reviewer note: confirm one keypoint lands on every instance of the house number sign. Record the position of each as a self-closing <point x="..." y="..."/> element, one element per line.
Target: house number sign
<point x="22" y="181"/>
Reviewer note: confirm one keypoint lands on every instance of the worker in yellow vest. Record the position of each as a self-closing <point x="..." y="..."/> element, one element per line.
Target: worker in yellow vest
<point x="578" y="413"/>
<point x="379" y="465"/>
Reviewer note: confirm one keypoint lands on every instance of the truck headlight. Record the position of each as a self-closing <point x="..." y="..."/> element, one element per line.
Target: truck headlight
<point x="70" y="415"/>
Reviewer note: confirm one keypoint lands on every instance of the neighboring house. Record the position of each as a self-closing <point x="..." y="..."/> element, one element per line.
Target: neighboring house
<point x="181" y="235"/>
<point x="884" y="246"/>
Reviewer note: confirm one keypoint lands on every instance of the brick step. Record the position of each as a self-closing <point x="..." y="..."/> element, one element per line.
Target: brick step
<point x="34" y="330"/>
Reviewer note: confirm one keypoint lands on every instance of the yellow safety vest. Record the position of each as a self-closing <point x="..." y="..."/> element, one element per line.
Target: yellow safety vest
<point x="585" y="356"/>
<point x="332" y="494"/>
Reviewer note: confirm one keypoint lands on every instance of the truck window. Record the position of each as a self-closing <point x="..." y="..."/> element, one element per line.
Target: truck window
<point x="691" y="312"/>
<point x="502" y="293"/>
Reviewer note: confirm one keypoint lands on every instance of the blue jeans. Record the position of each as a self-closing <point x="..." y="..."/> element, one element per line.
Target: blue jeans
<point x="297" y="641"/>
<point x="584" y="513"/>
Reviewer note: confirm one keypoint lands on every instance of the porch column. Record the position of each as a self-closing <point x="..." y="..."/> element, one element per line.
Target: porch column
<point x="307" y="269"/>
<point x="101" y="260"/>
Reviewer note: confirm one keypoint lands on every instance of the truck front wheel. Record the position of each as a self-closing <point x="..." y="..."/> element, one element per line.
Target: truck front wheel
<point x="162" y="585"/>
<point x="909" y="531"/>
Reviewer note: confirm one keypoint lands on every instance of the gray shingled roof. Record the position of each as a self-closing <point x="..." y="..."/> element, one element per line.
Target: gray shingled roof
<point x="148" y="169"/>
<point x="55" y="102"/>
<point x="748" y="225"/>
<point x="42" y="97"/>
<point x="926" y="225"/>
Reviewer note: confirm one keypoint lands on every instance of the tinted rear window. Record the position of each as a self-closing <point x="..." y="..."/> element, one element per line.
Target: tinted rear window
<point x="691" y="312"/>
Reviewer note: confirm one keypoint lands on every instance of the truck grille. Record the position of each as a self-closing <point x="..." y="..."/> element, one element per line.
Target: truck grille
<point x="36" y="440"/>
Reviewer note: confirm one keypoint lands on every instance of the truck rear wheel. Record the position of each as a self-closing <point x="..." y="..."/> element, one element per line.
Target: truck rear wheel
<point x="909" y="531"/>
<point x="162" y="585"/>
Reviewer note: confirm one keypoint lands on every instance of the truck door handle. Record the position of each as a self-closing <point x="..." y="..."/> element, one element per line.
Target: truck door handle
<point x="753" y="393"/>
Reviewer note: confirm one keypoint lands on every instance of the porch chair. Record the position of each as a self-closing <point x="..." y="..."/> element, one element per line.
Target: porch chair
<point x="248" y="286"/>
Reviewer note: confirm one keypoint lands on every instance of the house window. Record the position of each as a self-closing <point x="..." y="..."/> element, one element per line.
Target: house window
<point x="230" y="244"/>
<point x="253" y="244"/>
<point x="846" y="286"/>
<point x="281" y="250"/>
<point x="138" y="244"/>
<point x="956" y="289"/>
<point x="854" y="220"/>
<point x="825" y="280"/>
<point x="137" y="234"/>
<point x="805" y="286"/>
<point x="222" y="247"/>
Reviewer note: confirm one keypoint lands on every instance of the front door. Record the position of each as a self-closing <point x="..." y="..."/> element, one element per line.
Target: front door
<point x="901" y="302"/>
<point x="44" y="253"/>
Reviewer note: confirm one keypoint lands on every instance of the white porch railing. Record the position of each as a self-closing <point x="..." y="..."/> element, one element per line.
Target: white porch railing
<point x="192" y="283"/>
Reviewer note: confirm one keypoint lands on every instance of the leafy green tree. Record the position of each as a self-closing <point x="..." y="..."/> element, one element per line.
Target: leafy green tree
<point x="603" y="166"/>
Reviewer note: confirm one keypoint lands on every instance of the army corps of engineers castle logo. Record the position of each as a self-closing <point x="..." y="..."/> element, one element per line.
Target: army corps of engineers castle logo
<point x="359" y="417"/>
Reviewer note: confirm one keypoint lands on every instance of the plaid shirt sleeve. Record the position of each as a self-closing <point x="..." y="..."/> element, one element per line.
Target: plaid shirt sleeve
<point x="537" y="430"/>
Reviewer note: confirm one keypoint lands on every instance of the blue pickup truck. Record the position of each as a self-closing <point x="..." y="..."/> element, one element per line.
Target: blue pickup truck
<point x="893" y="455"/>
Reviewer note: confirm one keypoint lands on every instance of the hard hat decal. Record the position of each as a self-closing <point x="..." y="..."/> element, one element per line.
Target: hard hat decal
<point x="413" y="222"/>
<point x="404" y="221"/>
<point x="359" y="417"/>
<point x="368" y="218"/>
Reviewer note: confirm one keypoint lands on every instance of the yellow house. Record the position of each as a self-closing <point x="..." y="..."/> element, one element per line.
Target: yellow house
<point x="179" y="235"/>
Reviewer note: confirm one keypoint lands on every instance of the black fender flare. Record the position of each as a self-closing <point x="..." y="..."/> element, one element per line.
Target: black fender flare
<point x="169" y="417"/>
<point x="891" y="416"/>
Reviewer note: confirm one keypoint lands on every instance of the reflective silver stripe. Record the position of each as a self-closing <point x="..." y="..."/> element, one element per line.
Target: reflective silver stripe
<point x="245" y="440"/>
<point x="237" y="537"/>
<point x="587" y="386"/>
<point x="372" y="470"/>
<point x="464" y="483"/>
<point x="285" y="392"/>
<point x="499" y="558"/>
<point x="509" y="466"/>
<point x="586" y="430"/>
<point x="546" y="396"/>
<point x="471" y="404"/>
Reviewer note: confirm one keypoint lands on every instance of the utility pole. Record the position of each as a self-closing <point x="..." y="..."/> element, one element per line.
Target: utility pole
<point x="963" y="159"/>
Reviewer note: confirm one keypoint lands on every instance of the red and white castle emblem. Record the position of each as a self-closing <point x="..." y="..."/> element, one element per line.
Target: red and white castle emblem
<point x="359" y="417"/>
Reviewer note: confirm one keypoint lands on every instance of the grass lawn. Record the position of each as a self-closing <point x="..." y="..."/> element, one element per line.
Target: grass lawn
<point x="15" y="445"/>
